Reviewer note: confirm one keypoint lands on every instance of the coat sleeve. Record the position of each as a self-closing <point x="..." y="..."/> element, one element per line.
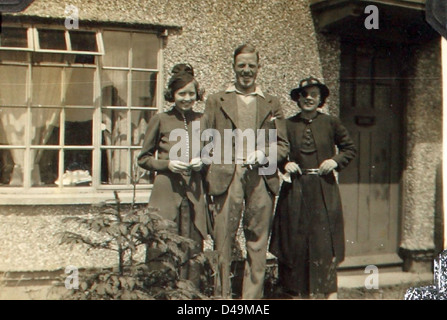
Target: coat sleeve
<point x="208" y="117"/>
<point x="282" y="143"/>
<point x="283" y="147"/>
<point x="147" y="158"/>
<point x="208" y="121"/>
<point x="345" y="145"/>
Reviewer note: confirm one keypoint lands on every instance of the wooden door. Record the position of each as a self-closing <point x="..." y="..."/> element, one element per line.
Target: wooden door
<point x="372" y="106"/>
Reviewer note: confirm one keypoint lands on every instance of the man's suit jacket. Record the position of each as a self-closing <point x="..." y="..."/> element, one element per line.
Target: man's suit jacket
<point x="221" y="113"/>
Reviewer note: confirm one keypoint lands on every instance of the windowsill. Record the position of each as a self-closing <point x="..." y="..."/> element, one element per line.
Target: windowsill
<point x="69" y="196"/>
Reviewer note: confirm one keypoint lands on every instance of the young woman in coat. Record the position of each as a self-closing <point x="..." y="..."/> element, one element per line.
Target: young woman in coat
<point x="308" y="235"/>
<point x="177" y="193"/>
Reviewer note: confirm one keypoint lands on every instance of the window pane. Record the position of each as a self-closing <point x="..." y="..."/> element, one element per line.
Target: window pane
<point x="85" y="59"/>
<point x="12" y="167"/>
<point x="116" y="47"/>
<point x="39" y="57"/>
<point x="15" y="56"/>
<point x="45" y="126"/>
<point x="140" y="119"/>
<point x="78" y="127"/>
<point x="47" y="86"/>
<point x="14" y="37"/>
<point x="78" y="168"/>
<point x="13" y="85"/>
<point x="114" y="88"/>
<point x="44" y="171"/>
<point x="52" y="39"/>
<point x="144" y="86"/>
<point x="115" y="166"/>
<point x="79" y="87"/>
<point x="13" y="122"/>
<point x="115" y="128"/>
<point x="83" y="41"/>
<point x="145" y="50"/>
<point x="6" y="166"/>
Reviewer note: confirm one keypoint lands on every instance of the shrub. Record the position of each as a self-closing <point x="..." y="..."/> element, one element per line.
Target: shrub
<point x="125" y="231"/>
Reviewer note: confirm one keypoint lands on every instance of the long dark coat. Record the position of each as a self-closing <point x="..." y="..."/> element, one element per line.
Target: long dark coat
<point x="328" y="132"/>
<point x="170" y="188"/>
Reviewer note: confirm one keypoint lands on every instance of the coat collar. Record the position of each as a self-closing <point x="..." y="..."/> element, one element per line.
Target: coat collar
<point x="307" y="121"/>
<point x="188" y="115"/>
<point x="229" y="106"/>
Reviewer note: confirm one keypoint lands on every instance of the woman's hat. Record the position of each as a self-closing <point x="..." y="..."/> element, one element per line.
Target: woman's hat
<point x="309" y="82"/>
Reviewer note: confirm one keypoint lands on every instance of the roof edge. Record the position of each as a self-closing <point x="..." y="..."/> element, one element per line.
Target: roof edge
<point x="20" y="18"/>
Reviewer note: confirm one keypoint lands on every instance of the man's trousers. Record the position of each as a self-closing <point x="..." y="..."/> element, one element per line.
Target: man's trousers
<point x="247" y="193"/>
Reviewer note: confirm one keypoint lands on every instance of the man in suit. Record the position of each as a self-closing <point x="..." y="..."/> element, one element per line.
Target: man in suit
<point x="241" y="185"/>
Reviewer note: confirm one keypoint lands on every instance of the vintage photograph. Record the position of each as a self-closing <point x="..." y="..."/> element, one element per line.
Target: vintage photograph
<point x="222" y="150"/>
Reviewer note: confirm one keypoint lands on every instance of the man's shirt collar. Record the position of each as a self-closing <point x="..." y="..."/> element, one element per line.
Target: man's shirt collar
<point x="258" y="91"/>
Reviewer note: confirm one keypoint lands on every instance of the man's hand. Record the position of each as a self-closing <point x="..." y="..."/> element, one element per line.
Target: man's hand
<point x="327" y="166"/>
<point x="196" y="164"/>
<point x="178" y="166"/>
<point x="292" y="167"/>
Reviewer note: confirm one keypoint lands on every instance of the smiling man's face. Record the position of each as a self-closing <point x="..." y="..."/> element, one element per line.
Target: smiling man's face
<point x="246" y="69"/>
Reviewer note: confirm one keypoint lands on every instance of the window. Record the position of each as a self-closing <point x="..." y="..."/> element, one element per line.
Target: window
<point x="128" y="86"/>
<point x="74" y="107"/>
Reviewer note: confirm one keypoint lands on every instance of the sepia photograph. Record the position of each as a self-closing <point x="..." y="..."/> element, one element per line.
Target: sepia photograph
<point x="223" y="150"/>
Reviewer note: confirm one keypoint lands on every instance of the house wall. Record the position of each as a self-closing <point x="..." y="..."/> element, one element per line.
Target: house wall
<point x="30" y="239"/>
<point x="423" y="152"/>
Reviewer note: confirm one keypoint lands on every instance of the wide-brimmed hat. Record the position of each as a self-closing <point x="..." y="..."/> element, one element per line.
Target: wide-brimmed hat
<point x="309" y="82"/>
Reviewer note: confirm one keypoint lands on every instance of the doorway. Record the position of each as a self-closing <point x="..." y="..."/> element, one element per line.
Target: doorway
<point x="372" y="107"/>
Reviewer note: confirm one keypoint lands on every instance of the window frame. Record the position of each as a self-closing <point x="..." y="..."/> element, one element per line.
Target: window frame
<point x="37" y="48"/>
<point x="97" y="191"/>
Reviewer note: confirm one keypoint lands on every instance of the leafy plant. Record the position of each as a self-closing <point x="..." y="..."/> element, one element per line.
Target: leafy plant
<point x="127" y="230"/>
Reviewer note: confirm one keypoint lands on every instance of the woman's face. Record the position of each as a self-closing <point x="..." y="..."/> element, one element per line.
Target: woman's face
<point x="309" y="99"/>
<point x="185" y="97"/>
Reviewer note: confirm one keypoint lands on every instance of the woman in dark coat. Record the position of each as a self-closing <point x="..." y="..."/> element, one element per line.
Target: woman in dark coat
<point x="308" y="235"/>
<point x="178" y="187"/>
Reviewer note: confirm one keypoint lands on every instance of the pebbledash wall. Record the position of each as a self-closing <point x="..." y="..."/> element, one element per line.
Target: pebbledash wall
<point x="290" y="49"/>
<point x="423" y="159"/>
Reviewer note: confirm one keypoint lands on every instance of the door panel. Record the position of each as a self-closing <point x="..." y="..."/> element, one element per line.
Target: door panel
<point x="372" y="110"/>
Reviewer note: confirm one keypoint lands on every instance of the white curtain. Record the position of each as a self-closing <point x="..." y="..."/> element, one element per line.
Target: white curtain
<point x="115" y="125"/>
<point x="13" y="120"/>
<point x="47" y="90"/>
